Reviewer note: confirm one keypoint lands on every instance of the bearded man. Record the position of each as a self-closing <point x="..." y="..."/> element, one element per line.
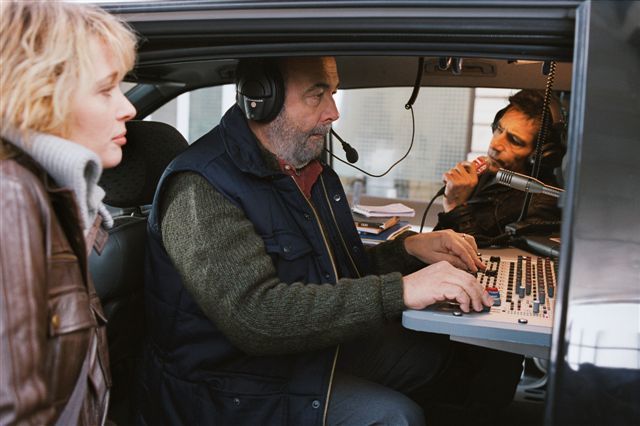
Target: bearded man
<point x="256" y="276"/>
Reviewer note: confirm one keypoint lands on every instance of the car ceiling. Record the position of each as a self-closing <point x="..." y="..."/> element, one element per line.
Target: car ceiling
<point x="192" y="44"/>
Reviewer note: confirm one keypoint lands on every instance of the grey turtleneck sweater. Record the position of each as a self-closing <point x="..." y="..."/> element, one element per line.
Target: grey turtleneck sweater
<point x="71" y="166"/>
<point x="227" y="270"/>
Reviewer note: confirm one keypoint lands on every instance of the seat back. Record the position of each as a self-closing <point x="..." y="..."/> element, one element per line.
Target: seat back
<point x="118" y="271"/>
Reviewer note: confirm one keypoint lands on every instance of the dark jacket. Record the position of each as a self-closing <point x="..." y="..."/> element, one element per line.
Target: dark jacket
<point x="50" y="311"/>
<point x="492" y="206"/>
<point x="193" y="373"/>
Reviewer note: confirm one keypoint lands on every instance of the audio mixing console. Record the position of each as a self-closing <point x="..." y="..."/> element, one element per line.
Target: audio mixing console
<point x="523" y="288"/>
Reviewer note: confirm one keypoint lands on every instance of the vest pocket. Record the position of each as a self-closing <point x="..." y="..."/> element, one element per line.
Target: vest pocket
<point x="251" y="409"/>
<point x="248" y="399"/>
<point x="287" y="245"/>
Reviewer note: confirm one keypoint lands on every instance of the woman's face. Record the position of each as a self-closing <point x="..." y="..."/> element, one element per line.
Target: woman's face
<point x="99" y="110"/>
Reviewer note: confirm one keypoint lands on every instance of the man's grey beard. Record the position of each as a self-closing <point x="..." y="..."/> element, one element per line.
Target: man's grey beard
<point x="292" y="144"/>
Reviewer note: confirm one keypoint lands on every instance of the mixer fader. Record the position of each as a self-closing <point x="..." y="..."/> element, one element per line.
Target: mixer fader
<point x="523" y="288"/>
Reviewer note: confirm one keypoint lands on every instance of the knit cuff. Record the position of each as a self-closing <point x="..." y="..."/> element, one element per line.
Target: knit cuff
<point x="457" y="219"/>
<point x="409" y="263"/>
<point x="391" y="291"/>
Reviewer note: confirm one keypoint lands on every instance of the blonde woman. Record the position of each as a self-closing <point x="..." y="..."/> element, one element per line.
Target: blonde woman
<point x="63" y="121"/>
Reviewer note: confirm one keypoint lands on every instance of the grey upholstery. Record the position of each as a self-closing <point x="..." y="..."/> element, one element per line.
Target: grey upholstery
<point x="118" y="272"/>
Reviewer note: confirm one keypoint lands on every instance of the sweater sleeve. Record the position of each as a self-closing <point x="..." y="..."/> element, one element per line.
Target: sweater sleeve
<point x="227" y="270"/>
<point x="460" y="219"/>
<point x="392" y="256"/>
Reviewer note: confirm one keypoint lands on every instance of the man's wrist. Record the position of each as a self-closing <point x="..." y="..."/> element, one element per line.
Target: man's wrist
<point x="409" y="244"/>
<point x="448" y="205"/>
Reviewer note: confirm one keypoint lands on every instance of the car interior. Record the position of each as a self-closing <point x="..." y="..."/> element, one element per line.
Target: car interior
<point x="458" y="64"/>
<point x="118" y="271"/>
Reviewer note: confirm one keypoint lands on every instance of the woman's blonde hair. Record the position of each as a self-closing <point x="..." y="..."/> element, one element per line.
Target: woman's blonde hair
<point x="45" y="56"/>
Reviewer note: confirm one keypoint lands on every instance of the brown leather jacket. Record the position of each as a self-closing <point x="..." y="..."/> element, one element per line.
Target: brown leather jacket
<point x="50" y="315"/>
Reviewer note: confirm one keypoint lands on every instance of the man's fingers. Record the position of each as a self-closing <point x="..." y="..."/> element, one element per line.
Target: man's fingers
<point x="473" y="251"/>
<point x="469" y="245"/>
<point x="463" y="166"/>
<point x="464" y="289"/>
<point x="464" y="251"/>
<point x="442" y="281"/>
<point x="469" y="239"/>
<point x="479" y="263"/>
<point x="454" y="260"/>
<point x="457" y="293"/>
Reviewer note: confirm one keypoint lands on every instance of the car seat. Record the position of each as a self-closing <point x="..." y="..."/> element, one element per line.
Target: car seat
<point x="118" y="271"/>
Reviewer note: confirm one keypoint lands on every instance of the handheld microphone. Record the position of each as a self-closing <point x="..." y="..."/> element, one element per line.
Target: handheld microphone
<point x="481" y="167"/>
<point x="351" y="153"/>
<point x="526" y="183"/>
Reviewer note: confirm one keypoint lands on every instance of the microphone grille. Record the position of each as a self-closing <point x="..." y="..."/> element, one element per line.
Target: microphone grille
<point x="504" y="177"/>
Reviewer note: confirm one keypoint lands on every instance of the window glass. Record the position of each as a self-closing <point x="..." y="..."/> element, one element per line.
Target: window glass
<point x="376" y="123"/>
<point x="487" y="103"/>
<point x="196" y="112"/>
<point x="451" y="124"/>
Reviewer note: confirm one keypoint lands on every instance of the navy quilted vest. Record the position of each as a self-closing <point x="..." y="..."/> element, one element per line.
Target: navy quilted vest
<point x="191" y="373"/>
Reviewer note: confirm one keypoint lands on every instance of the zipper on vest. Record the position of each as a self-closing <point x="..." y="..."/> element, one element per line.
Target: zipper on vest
<point x="333" y="216"/>
<point x="324" y="237"/>
<point x="326" y="402"/>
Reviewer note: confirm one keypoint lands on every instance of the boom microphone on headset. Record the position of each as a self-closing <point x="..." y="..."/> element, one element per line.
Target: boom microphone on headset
<point x="352" y="154"/>
<point x="526" y="183"/>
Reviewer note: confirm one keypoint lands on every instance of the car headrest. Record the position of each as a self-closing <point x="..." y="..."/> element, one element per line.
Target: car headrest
<point x="150" y="147"/>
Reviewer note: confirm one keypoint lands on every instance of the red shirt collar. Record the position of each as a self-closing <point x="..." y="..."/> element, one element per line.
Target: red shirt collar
<point x="305" y="177"/>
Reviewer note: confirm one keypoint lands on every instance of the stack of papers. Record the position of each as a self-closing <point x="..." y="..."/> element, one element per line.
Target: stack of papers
<point x="396" y="209"/>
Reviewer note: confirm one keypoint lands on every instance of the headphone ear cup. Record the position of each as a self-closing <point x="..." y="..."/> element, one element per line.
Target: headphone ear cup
<point x="260" y="91"/>
<point x="552" y="155"/>
<point x="554" y="148"/>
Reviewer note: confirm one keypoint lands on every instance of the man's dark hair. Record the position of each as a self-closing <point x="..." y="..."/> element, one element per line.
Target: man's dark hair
<point x="530" y="102"/>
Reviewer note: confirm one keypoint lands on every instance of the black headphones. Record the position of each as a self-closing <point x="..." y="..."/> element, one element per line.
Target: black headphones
<point x="259" y="89"/>
<point x="554" y="146"/>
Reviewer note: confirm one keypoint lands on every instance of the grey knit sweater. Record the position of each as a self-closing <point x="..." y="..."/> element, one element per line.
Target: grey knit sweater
<point x="227" y="270"/>
<point x="72" y="166"/>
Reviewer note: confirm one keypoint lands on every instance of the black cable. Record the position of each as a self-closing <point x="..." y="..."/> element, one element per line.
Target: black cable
<point x="416" y="85"/>
<point x="542" y="136"/>
<point x="424" y="215"/>
<point x="408" y="105"/>
<point x="413" y="133"/>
